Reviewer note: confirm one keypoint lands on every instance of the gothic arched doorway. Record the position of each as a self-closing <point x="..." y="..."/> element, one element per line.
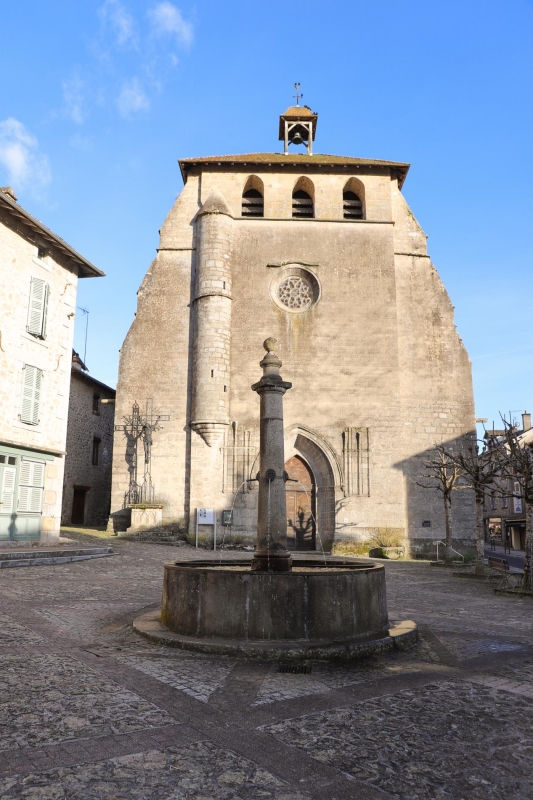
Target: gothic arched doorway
<point x="301" y="505"/>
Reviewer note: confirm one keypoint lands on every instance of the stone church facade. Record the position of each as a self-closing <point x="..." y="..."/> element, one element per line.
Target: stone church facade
<point x="323" y="253"/>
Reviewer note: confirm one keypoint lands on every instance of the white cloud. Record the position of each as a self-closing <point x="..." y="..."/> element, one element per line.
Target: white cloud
<point x="167" y="19"/>
<point x="115" y="15"/>
<point x="74" y="99"/>
<point x="20" y="159"/>
<point x="132" y="99"/>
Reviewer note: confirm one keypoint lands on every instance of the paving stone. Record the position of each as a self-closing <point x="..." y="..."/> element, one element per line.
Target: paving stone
<point x="197" y="676"/>
<point x="471" y="645"/>
<point x="12" y="634"/>
<point x="86" y="618"/>
<point x="400" y="744"/>
<point x="50" y="699"/>
<point x="514" y="687"/>
<point x="278" y="686"/>
<point x="25" y="675"/>
<point x="446" y="740"/>
<point x="200" y="771"/>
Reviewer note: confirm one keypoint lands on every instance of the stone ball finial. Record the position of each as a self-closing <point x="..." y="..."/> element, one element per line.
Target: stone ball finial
<point x="270" y="344"/>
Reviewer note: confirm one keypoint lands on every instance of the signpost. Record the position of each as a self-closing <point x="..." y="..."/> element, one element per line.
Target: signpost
<point x="207" y="516"/>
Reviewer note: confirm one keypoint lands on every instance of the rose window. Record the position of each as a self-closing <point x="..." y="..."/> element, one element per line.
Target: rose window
<point x="295" y="293"/>
<point x="295" y="289"/>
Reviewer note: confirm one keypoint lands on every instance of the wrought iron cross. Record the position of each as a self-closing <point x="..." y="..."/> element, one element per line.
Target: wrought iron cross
<point x="141" y="426"/>
<point x="297" y="95"/>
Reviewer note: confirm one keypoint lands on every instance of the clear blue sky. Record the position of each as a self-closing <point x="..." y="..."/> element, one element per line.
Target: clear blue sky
<point x="100" y="99"/>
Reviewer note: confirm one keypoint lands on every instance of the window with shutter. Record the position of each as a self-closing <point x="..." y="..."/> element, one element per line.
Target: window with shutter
<point x="7" y="496"/>
<point x="31" y="485"/>
<point x="302" y="204"/>
<point x="37" y="308"/>
<point x="31" y="394"/>
<point x="253" y="204"/>
<point x="352" y="206"/>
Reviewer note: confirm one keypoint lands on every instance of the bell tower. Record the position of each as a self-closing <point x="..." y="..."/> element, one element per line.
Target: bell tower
<point x="298" y="125"/>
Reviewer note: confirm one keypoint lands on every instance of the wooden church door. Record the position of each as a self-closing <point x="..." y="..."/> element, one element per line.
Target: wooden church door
<point x="301" y="514"/>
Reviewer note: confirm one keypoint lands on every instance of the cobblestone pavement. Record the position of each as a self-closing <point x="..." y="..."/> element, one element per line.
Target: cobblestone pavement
<point x="90" y="710"/>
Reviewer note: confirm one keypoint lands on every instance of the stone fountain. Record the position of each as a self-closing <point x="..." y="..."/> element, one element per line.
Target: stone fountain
<point x="274" y="607"/>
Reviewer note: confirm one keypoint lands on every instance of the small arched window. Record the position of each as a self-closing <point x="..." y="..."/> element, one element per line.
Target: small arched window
<point x="302" y="204"/>
<point x="352" y="206"/>
<point x="253" y="204"/>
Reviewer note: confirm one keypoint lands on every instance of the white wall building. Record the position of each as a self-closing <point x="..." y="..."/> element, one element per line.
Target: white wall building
<point x="38" y="283"/>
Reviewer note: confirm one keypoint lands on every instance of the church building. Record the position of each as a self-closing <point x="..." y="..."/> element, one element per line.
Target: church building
<point x="322" y="253"/>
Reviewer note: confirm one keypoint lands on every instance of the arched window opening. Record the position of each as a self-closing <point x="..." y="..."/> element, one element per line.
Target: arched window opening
<point x="352" y="206"/>
<point x="253" y="204"/>
<point x="302" y="204"/>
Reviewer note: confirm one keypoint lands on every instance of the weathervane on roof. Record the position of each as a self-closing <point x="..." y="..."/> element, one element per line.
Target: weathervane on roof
<point x="297" y="95"/>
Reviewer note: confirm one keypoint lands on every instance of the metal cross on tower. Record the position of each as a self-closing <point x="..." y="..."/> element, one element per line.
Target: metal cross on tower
<point x="140" y="426"/>
<point x="297" y="95"/>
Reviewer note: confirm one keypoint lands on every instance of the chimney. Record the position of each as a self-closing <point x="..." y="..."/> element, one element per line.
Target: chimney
<point x="526" y="421"/>
<point x="9" y="191"/>
<point x="77" y="363"/>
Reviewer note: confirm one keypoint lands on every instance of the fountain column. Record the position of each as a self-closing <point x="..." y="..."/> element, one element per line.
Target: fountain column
<point x="271" y="552"/>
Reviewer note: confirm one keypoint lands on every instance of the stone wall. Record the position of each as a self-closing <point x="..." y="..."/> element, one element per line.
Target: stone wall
<point x="377" y="355"/>
<point x="84" y="424"/>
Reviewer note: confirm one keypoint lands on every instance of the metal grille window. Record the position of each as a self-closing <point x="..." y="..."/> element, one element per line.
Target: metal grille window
<point x="37" y="308"/>
<point x="253" y="204"/>
<point x="302" y="205"/>
<point x="352" y="206"/>
<point x="31" y="485"/>
<point x="31" y="394"/>
<point x="96" y="451"/>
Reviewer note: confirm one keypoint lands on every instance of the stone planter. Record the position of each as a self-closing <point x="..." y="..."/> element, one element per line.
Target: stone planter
<point x="393" y="553"/>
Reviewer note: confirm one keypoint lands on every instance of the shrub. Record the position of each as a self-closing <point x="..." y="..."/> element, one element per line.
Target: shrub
<point x="349" y="549"/>
<point x="386" y="537"/>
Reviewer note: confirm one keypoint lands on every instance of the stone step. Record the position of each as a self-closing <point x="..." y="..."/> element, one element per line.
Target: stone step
<point x="35" y="558"/>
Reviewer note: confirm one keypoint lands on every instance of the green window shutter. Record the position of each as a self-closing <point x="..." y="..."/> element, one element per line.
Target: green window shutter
<point x="31" y="486"/>
<point x="37" y="308"/>
<point x="31" y="394"/>
<point x="7" y="495"/>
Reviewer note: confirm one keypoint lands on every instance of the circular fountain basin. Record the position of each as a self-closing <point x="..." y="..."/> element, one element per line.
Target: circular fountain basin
<point x="336" y="609"/>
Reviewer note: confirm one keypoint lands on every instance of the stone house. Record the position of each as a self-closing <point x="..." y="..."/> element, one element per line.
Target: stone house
<point x="38" y="283"/>
<point x="87" y="480"/>
<point x="323" y="253"/>
<point x="504" y="509"/>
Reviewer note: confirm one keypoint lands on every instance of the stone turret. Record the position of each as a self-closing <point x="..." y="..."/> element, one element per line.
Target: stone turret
<point x="212" y="315"/>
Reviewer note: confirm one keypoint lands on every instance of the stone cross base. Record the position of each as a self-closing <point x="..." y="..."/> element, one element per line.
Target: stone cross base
<point x="145" y="517"/>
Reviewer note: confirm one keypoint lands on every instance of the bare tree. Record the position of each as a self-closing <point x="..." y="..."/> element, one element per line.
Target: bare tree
<point x="516" y="464"/>
<point x="442" y="474"/>
<point x="479" y="471"/>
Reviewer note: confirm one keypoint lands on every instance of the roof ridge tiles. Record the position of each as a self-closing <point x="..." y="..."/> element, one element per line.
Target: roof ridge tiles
<point x="293" y="159"/>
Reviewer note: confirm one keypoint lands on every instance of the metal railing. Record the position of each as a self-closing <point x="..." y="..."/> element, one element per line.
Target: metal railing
<point x="453" y="551"/>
